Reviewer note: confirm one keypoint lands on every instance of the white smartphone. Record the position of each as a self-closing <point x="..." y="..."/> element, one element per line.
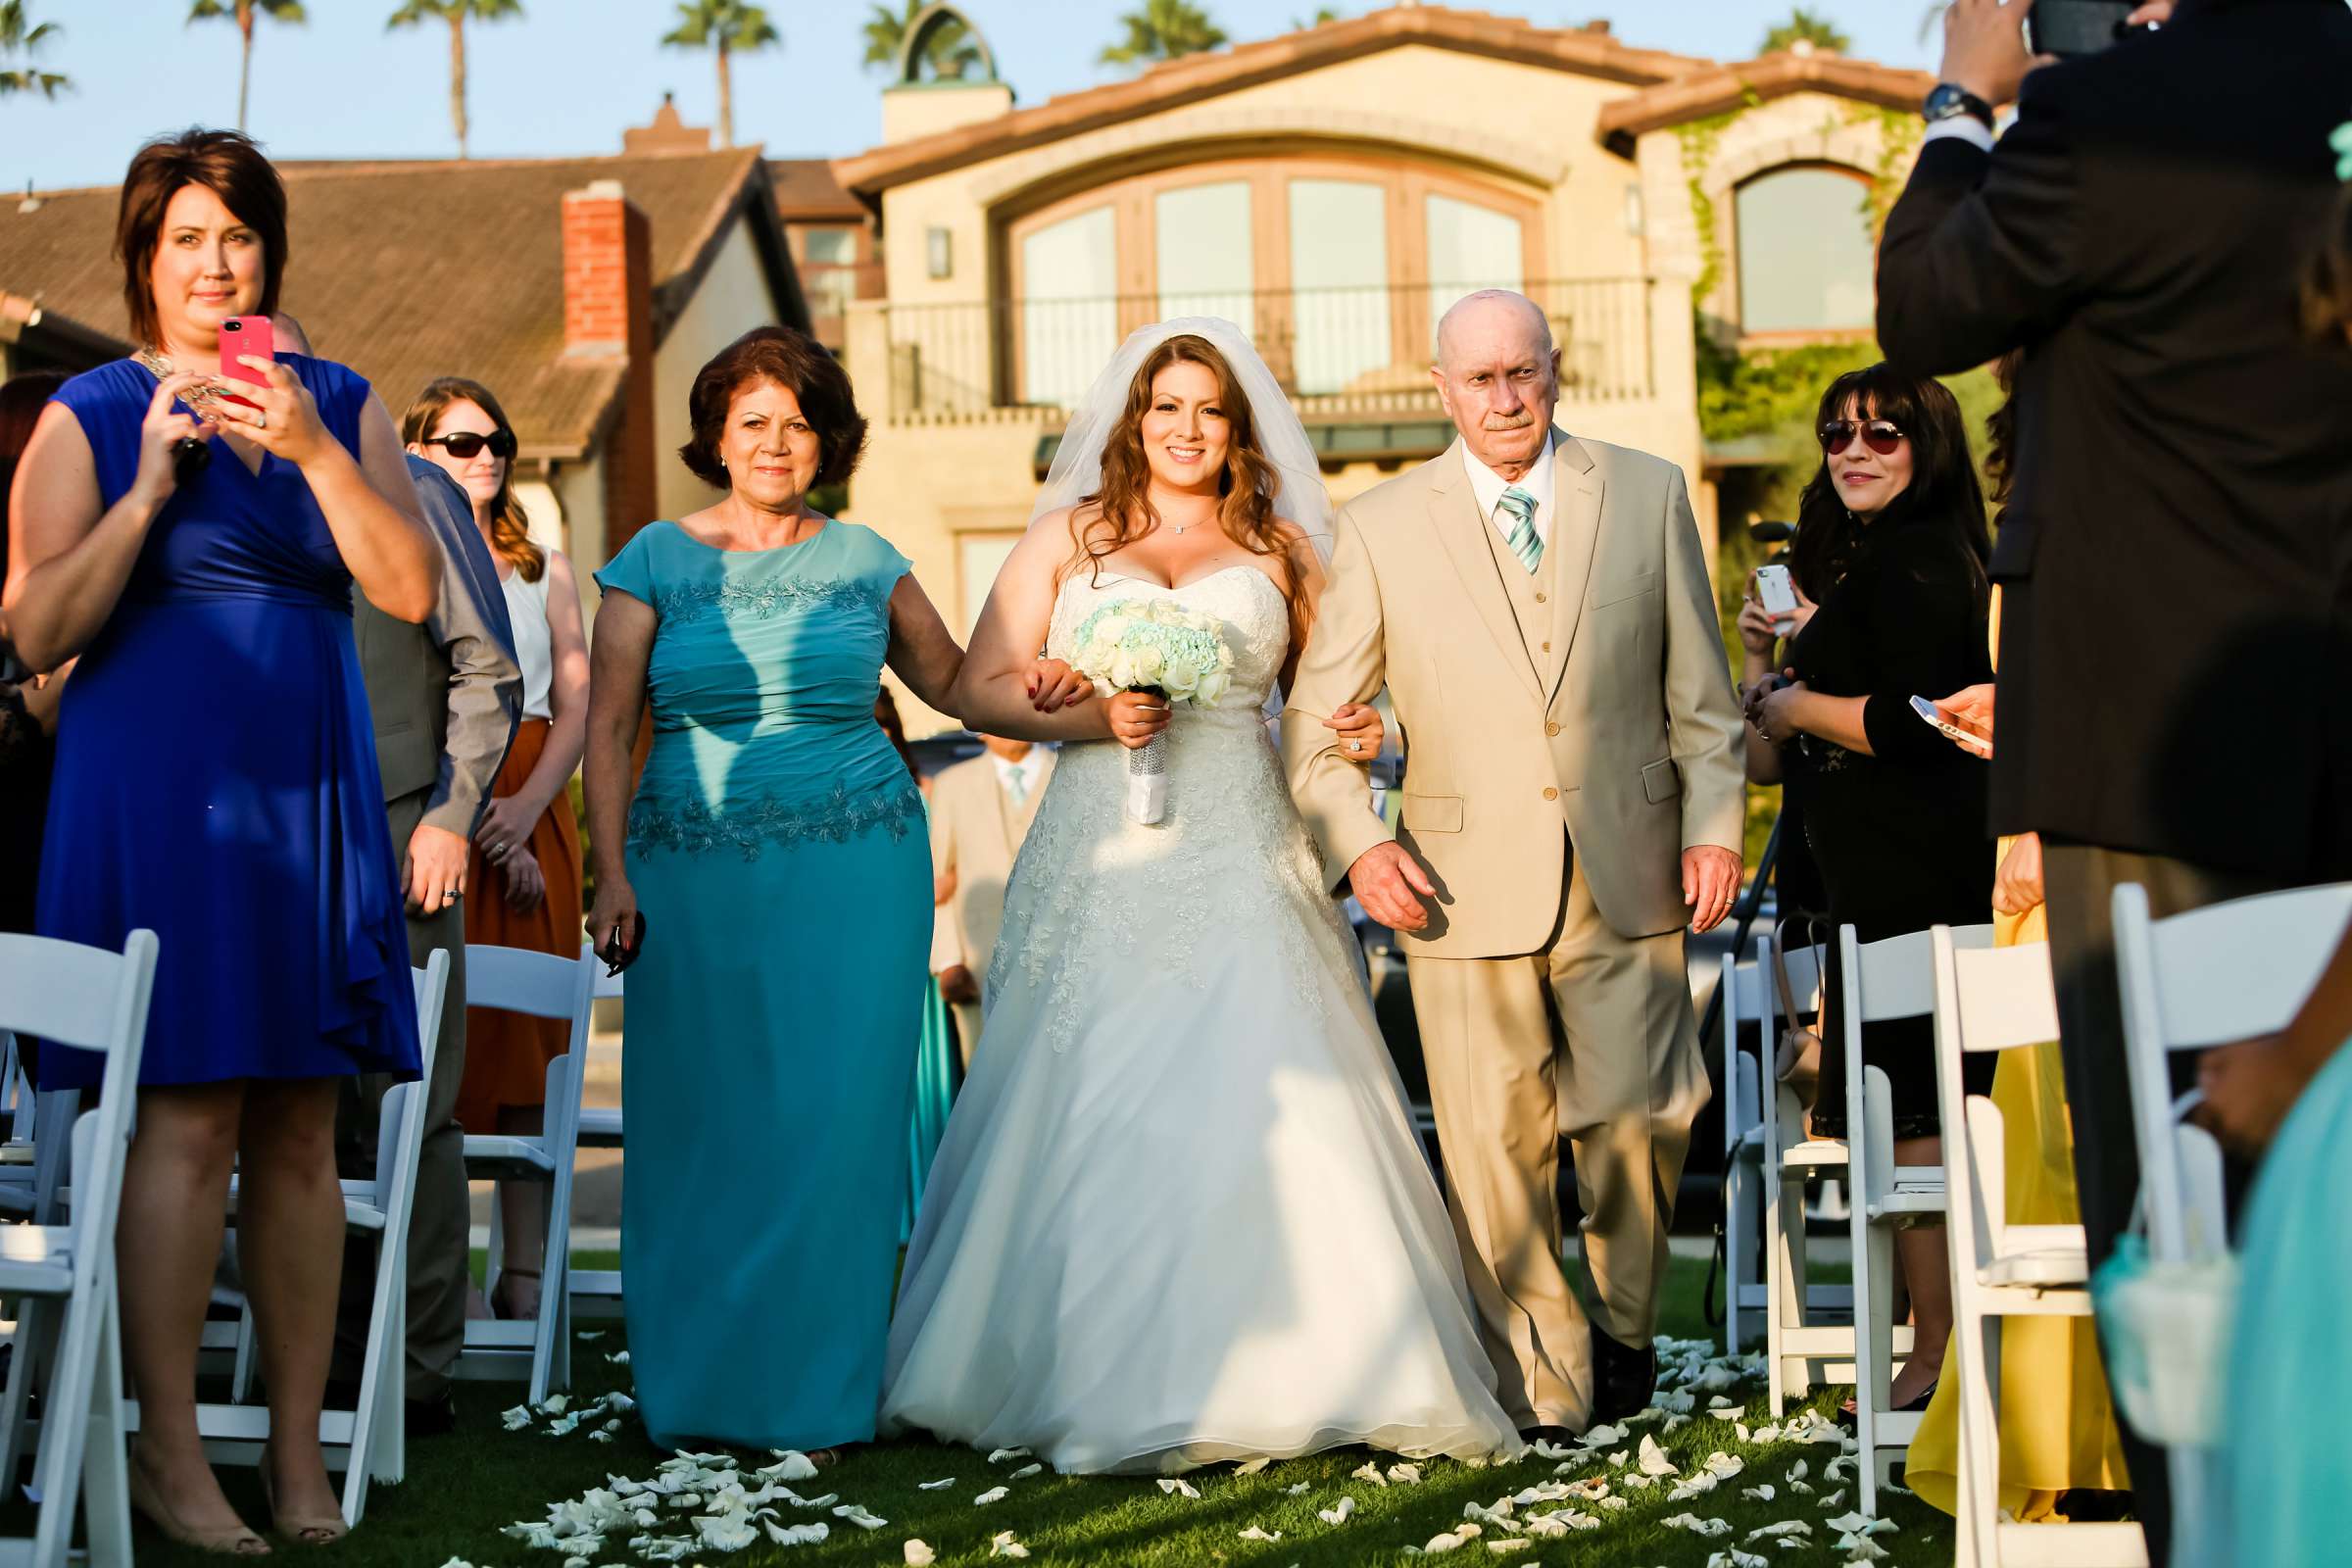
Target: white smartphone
<point x="1969" y="737"/>
<point x="1777" y="593"/>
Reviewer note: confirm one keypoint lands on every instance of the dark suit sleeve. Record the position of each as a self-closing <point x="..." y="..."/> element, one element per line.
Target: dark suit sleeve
<point x="485" y="684"/>
<point x="1984" y="250"/>
<point x="1926" y="618"/>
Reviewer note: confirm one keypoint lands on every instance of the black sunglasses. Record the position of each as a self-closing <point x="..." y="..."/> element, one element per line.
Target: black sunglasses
<point x="466" y="445"/>
<point x="1880" y="435"/>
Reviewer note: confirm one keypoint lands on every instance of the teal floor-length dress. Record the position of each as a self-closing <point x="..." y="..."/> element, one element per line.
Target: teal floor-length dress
<point x="778" y="852"/>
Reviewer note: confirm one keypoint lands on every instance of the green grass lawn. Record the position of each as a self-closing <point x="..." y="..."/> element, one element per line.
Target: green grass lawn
<point x="461" y="1489"/>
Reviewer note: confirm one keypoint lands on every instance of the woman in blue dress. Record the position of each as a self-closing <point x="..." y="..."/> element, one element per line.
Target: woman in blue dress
<point x="776" y="848"/>
<point x="217" y="783"/>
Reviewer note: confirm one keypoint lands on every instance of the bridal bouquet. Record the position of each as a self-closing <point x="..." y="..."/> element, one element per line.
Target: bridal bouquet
<point x="1153" y="646"/>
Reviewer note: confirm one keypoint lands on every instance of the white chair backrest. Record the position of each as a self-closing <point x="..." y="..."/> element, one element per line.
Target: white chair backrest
<point x="396" y="1139"/>
<point x="64" y="994"/>
<point x="2227" y="972"/>
<point x="520" y="980"/>
<point x="1986" y="999"/>
<point x="1891" y="978"/>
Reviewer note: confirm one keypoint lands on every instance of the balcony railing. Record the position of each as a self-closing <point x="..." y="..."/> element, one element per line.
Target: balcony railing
<point x="1340" y="353"/>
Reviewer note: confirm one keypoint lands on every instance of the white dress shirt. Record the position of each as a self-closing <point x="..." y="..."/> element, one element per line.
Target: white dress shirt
<point x="1967" y="127"/>
<point x="1488" y="486"/>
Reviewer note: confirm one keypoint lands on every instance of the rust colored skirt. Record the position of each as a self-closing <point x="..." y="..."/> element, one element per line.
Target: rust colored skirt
<point x="506" y="1053"/>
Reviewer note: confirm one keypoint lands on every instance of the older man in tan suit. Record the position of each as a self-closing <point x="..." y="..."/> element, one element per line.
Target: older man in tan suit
<point x="980" y="813"/>
<point x="1539" y="609"/>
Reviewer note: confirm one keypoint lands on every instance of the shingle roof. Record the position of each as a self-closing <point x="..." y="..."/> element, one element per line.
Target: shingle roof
<point x="1724" y="88"/>
<point x="807" y="188"/>
<point x="408" y="270"/>
<point x="1193" y="77"/>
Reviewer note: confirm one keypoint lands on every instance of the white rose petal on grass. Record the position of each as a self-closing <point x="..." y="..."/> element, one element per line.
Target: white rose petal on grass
<point x="1638" y="1482"/>
<point x="919" y="1554"/>
<point x="1503" y="1548"/>
<point x="1617" y="1460"/>
<point x="1450" y="1541"/>
<point x="1603" y="1437"/>
<point x="1674" y="1423"/>
<point x="1254" y="1532"/>
<point x="1704" y="1529"/>
<point x="1026" y="1471"/>
<point x="1762" y="1494"/>
<point x="1653" y="1459"/>
<point x="1498" y="1515"/>
<point x="556" y="1404"/>
<point x="795" y="1534"/>
<point x="992" y="1494"/>
<point x="792" y="1465"/>
<point x="1405" y="1475"/>
<point x="1003" y="1455"/>
<point x="935" y="1486"/>
<point x="1300" y="1489"/>
<point x="1804" y="1489"/>
<point x="1786" y="1528"/>
<point x="1719" y="1403"/>
<point x="1004" y="1546"/>
<point x="518" y="1418"/>
<point x="1736" y="1558"/>
<point x="855" y="1514"/>
<point x="1369" y="1472"/>
<point x="618" y="1358"/>
<point x="1799" y="1470"/>
<point x="1337" y="1515"/>
<point x="1251" y="1467"/>
<point x="1177" y="1487"/>
<point x="1836" y="1500"/>
<point x="1860" y="1548"/>
<point x="1552" y="1451"/>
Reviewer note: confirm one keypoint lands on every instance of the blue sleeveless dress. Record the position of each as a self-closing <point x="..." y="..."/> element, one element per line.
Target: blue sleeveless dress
<point x="216" y="774"/>
<point x="779" y="854"/>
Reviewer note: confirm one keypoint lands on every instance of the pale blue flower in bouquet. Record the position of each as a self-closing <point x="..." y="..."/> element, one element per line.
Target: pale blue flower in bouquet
<point x="2341" y="141"/>
<point x="1155" y="646"/>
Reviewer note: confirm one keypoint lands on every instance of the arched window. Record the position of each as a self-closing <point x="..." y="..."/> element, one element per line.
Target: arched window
<point x="1805" y="253"/>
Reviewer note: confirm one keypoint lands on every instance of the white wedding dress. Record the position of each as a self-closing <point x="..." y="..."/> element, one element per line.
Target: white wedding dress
<point x="1180" y="1215"/>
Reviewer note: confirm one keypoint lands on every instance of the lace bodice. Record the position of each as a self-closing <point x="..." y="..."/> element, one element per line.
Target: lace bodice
<point x="1094" y="888"/>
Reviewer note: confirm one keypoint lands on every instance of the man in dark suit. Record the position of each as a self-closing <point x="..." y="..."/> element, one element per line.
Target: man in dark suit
<point x="445" y="695"/>
<point x="2175" y="589"/>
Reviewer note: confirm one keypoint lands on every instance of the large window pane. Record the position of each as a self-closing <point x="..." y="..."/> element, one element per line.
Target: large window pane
<point x="1340" y="270"/>
<point x="1470" y="248"/>
<point x="1203" y="250"/>
<point x="1069" y="312"/>
<point x="1805" y="259"/>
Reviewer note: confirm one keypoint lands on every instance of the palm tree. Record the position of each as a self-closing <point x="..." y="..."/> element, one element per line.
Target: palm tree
<point x="727" y="27"/>
<point x="457" y="13"/>
<point x="950" y="48"/>
<point x="20" y="34"/>
<point x="243" y="12"/>
<point x="1164" y="29"/>
<point x="1803" y="27"/>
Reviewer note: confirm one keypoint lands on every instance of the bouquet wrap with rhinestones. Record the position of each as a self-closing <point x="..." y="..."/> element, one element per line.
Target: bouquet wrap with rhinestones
<point x="1159" y="647"/>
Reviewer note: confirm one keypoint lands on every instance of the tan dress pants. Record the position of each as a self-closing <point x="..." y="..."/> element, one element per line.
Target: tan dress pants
<point x="1594" y="1037"/>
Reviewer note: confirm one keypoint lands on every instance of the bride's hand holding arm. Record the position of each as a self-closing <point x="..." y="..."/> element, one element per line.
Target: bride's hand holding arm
<point x="997" y="691"/>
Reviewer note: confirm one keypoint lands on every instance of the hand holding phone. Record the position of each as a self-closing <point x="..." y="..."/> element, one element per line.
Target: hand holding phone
<point x="1775" y="591"/>
<point x="1967" y="737"/>
<point x="2070" y="28"/>
<point x="242" y="335"/>
<point x="619" y="954"/>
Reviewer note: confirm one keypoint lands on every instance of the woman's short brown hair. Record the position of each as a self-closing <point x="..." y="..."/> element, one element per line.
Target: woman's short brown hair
<point x="792" y="360"/>
<point x="231" y="167"/>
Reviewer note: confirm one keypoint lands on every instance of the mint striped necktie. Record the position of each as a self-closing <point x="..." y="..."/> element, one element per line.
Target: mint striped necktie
<point x="1525" y="542"/>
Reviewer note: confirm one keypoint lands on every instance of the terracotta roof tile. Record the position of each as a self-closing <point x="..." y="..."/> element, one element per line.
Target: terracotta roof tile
<point x="408" y="270"/>
<point x="807" y="188"/>
<point x="1176" y="82"/>
<point x="1775" y="76"/>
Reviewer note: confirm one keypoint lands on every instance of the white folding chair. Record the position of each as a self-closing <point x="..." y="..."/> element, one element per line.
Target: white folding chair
<point x="31" y="1172"/>
<point x="538" y="985"/>
<point x="1745" y="990"/>
<point x="596" y="1292"/>
<point x="2224" y="973"/>
<point x="1884" y="981"/>
<point x="2001" y="999"/>
<point x="1809" y="1328"/>
<point x="61" y="1277"/>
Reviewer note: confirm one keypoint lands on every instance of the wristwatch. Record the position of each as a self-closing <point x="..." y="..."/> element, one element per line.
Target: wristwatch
<point x="1950" y="100"/>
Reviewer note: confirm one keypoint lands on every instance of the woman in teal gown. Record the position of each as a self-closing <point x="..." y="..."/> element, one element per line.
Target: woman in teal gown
<point x="776" y="850"/>
<point x="936" y="1066"/>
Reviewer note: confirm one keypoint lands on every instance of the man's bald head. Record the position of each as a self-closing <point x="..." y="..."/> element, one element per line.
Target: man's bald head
<point x="1499" y="375"/>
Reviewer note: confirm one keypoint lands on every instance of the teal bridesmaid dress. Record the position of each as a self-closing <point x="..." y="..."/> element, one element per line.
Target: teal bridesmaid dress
<point x="779" y="855"/>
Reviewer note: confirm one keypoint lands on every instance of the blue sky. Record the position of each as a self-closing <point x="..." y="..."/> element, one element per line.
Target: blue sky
<point x="571" y="74"/>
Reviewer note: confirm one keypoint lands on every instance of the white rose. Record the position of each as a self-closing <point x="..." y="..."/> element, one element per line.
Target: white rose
<point x="1149" y="663"/>
<point x="1122" y="669"/>
<point x="1213" y="688"/>
<point x="1182" y="674"/>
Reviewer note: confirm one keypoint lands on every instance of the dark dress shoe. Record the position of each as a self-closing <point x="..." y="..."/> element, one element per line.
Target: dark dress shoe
<point x="1557" y="1436"/>
<point x="430" y="1418"/>
<point x="1623" y="1380"/>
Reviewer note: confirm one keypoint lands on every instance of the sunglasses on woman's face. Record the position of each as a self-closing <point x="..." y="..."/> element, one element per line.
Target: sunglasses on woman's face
<point x="1880" y="435"/>
<point x="466" y="445"/>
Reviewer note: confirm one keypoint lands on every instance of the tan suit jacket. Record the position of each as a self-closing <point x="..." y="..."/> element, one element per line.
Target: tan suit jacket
<point x="1617" y="719"/>
<point x="976" y="834"/>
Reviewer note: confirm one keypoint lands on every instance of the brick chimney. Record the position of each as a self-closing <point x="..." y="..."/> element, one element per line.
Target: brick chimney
<point x="609" y="316"/>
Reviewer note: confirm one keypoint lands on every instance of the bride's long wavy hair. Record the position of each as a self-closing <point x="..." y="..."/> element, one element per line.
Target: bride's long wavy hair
<point x="1120" y="513"/>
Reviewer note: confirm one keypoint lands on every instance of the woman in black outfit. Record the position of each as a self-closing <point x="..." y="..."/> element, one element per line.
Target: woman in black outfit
<point x="1891" y="545"/>
<point x="27" y="707"/>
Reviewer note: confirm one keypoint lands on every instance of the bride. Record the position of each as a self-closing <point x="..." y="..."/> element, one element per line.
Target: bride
<point x="1180" y="1215"/>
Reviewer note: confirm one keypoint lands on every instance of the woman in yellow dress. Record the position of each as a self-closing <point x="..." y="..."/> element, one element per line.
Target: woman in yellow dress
<point x="2058" y="1429"/>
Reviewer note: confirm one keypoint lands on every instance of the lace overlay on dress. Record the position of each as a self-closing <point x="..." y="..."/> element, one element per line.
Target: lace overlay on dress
<point x="1094" y="890"/>
<point x="691" y="602"/>
<point x="750" y="827"/>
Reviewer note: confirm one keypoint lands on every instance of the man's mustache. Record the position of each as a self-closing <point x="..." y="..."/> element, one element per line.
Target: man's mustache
<point x="1507" y="422"/>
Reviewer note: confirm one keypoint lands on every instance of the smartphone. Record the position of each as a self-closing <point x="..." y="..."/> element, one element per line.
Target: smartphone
<point x="2066" y="27"/>
<point x="1969" y="736"/>
<point x="241" y="335"/>
<point x="1777" y="593"/>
